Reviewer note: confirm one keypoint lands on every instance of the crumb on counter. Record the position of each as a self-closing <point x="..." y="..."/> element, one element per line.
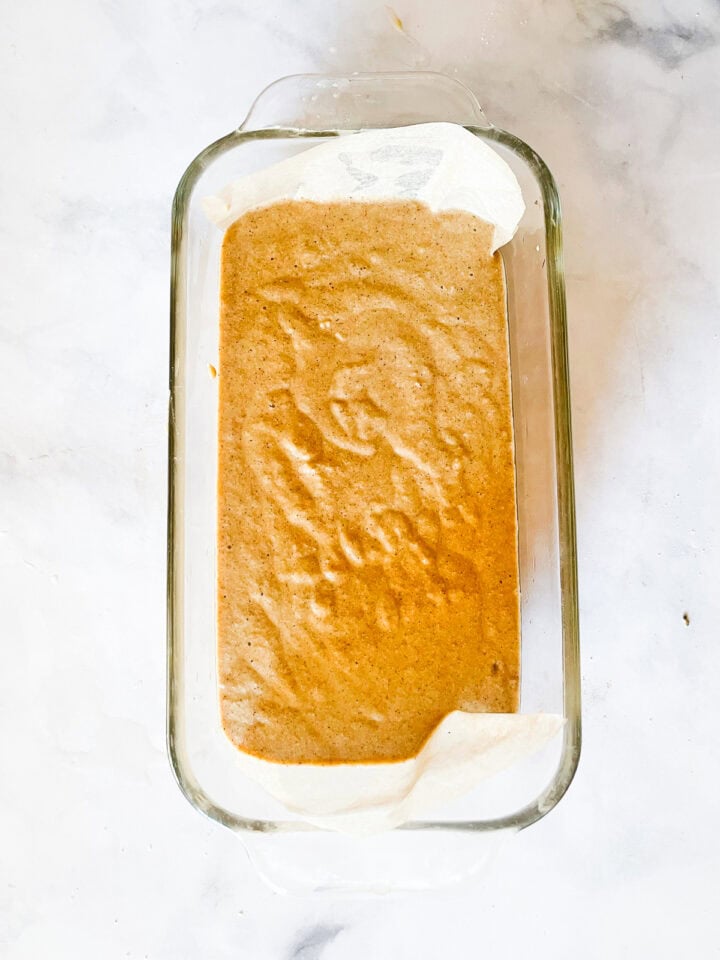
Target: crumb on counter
<point x="396" y="20"/>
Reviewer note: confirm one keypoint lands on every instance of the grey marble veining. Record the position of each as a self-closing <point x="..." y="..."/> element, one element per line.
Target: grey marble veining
<point x="312" y="943"/>
<point x="105" y="104"/>
<point x="671" y="44"/>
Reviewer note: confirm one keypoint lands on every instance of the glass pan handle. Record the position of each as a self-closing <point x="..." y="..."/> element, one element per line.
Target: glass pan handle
<point x="323" y="102"/>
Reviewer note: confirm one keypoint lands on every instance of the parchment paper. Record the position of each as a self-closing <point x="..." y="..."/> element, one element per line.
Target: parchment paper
<point x="447" y="168"/>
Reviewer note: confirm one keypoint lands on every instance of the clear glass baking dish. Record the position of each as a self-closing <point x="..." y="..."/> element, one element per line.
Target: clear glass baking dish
<point x="288" y="116"/>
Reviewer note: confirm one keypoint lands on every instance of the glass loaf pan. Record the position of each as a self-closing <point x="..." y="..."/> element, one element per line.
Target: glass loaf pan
<point x="290" y="115"/>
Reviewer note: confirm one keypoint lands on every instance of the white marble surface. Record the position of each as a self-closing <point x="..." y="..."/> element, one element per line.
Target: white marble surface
<point x="104" y="104"/>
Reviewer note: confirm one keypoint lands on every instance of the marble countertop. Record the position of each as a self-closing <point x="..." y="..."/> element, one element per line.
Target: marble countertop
<point x="105" y="104"/>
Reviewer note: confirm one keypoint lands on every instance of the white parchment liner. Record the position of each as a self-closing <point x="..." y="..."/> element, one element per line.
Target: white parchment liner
<point x="447" y="168"/>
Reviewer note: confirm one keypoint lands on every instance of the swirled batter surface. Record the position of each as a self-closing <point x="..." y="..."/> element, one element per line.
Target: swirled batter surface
<point x="367" y="557"/>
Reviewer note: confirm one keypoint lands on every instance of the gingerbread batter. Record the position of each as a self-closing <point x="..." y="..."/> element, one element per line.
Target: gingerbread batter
<point x="367" y="541"/>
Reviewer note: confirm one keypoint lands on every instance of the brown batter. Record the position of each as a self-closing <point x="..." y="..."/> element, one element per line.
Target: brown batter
<point x="367" y="558"/>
